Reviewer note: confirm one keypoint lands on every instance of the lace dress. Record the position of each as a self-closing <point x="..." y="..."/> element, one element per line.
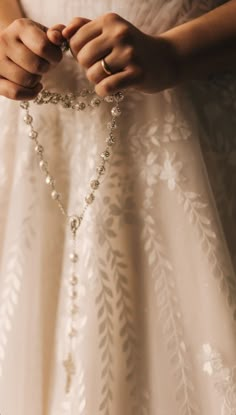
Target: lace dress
<point x="157" y="332"/>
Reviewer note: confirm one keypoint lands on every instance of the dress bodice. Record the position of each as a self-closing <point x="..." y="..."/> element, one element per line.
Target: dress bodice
<point x="153" y="16"/>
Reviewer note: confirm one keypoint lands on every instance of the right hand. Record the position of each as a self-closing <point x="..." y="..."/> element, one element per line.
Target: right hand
<point x="25" y="55"/>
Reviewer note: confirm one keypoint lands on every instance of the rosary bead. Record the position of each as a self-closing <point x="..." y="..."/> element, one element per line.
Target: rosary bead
<point x="115" y="111"/>
<point x="28" y="119"/>
<point x="84" y="92"/>
<point x="55" y="195"/>
<point x="65" y="46"/>
<point x="111" y="140"/>
<point x="49" y="180"/>
<point x="66" y="104"/>
<point x="94" y="184"/>
<point x="43" y="165"/>
<point x="109" y="98"/>
<point x="95" y="102"/>
<point x="101" y="169"/>
<point x="74" y="222"/>
<point x="38" y="149"/>
<point x="55" y="99"/>
<point x="119" y="96"/>
<point x="105" y="155"/>
<point x="82" y="106"/>
<point x="74" y="309"/>
<point x="24" y="105"/>
<point x="73" y="333"/>
<point x="74" y="280"/>
<point x="33" y="134"/>
<point x="74" y="257"/>
<point x="90" y="198"/>
<point x="73" y="294"/>
<point x="79" y="106"/>
<point x="111" y="125"/>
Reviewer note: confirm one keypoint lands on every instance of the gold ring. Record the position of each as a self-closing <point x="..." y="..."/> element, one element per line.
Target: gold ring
<point x="106" y="67"/>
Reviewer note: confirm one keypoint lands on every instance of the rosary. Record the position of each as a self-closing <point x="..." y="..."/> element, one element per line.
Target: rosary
<point x="78" y="102"/>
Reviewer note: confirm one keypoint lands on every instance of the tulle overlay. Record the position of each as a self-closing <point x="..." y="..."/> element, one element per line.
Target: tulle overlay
<point x="158" y="246"/>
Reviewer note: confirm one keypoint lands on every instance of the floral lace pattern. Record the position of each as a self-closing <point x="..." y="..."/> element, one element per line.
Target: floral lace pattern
<point x="224" y="378"/>
<point x="156" y="272"/>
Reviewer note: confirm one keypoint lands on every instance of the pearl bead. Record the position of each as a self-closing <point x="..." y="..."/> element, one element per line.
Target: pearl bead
<point x="66" y="104"/>
<point x="73" y="333"/>
<point x="115" y="111"/>
<point x="94" y="184"/>
<point x="84" y="92"/>
<point x="111" y="140"/>
<point x="90" y="198"/>
<point x="43" y="165"/>
<point x="28" y="119"/>
<point x="74" y="309"/>
<point x="73" y="294"/>
<point x="82" y="106"/>
<point x="49" y="180"/>
<point x="74" y="280"/>
<point x="111" y="125"/>
<point x="101" y="169"/>
<point x="38" y="149"/>
<point x="119" y="96"/>
<point x="109" y="98"/>
<point x="74" y="222"/>
<point x="33" y="134"/>
<point x="105" y="155"/>
<point x="55" y="99"/>
<point x="24" y="105"/>
<point x="95" y="102"/>
<point x="74" y="257"/>
<point x="55" y="195"/>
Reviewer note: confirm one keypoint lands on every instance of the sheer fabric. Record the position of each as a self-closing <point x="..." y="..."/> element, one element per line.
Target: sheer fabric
<point x="157" y="276"/>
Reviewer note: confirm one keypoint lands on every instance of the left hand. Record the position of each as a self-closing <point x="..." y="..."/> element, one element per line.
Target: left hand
<point x="136" y="60"/>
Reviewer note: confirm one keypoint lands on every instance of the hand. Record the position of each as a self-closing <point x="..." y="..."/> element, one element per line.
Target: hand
<point x="25" y="55"/>
<point x="137" y="60"/>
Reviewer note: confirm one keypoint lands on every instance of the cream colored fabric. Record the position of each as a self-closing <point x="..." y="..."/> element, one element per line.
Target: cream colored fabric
<point x="158" y="247"/>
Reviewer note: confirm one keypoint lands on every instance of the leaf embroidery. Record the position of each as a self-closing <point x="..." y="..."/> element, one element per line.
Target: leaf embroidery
<point x="170" y="316"/>
<point x="223" y="377"/>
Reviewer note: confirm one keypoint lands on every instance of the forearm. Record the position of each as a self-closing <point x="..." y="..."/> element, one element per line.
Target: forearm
<point x="9" y="11"/>
<point x="206" y="45"/>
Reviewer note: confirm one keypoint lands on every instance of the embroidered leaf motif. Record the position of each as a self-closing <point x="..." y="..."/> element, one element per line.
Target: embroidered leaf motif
<point x="169" y="314"/>
<point x="15" y="262"/>
<point x="223" y="377"/>
<point x="106" y="332"/>
<point x="194" y="207"/>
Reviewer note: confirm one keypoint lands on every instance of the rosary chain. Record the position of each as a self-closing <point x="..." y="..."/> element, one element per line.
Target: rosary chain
<point x="75" y="102"/>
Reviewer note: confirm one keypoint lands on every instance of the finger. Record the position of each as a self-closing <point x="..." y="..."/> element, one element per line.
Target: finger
<point x="37" y="41"/>
<point x="85" y="35"/>
<point x="73" y="26"/>
<point x="13" y="91"/>
<point x="54" y="34"/>
<point x="94" y="51"/>
<point x="19" y="76"/>
<point x="117" y="61"/>
<point x="122" y="80"/>
<point x="27" y="60"/>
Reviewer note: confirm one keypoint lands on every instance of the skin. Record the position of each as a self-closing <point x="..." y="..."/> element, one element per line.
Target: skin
<point x="195" y="50"/>
<point x="138" y="61"/>
<point x="25" y="54"/>
<point x="129" y="53"/>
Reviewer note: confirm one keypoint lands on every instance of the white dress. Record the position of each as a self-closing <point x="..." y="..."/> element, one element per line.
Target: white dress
<point x="157" y="332"/>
